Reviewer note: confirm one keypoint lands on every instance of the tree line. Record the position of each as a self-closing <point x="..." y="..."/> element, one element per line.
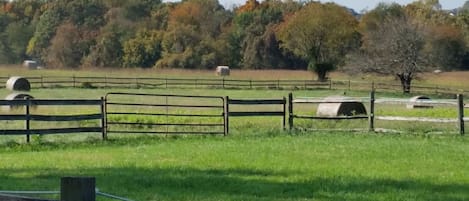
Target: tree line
<point x="400" y="40"/>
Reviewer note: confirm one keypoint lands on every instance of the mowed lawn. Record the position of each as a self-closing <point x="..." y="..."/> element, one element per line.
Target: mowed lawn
<point x="253" y="166"/>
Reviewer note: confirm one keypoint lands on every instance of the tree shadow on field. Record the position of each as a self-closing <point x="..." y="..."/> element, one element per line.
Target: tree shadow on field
<point x="180" y="183"/>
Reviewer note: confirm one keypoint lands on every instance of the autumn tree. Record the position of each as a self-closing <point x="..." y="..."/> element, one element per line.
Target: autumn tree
<point x="193" y="35"/>
<point x="322" y="34"/>
<point x="62" y="52"/>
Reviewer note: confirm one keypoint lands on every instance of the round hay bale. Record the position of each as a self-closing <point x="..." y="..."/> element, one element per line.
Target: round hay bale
<point x="15" y="96"/>
<point x="223" y="70"/>
<point x="418" y="102"/>
<point x="340" y="106"/>
<point x="17" y="83"/>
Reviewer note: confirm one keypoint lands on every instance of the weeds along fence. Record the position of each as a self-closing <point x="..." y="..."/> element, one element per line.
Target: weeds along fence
<point x="224" y="83"/>
<point x="135" y="113"/>
<point x="164" y="114"/>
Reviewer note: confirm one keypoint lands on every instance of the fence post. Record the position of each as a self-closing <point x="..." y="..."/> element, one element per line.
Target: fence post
<point x="284" y="122"/>
<point x="278" y="84"/>
<point x="73" y="78"/>
<point x="226" y="115"/>
<point x="42" y="81"/>
<point x="77" y="189"/>
<point x="250" y="84"/>
<point x="290" y="111"/>
<point x="105" y="82"/>
<point x="371" y="117"/>
<point x="330" y="84"/>
<point x="461" y="114"/>
<point x="349" y="85"/>
<point x="104" y="118"/>
<point x="136" y="82"/>
<point x="28" y="119"/>
<point x="223" y="82"/>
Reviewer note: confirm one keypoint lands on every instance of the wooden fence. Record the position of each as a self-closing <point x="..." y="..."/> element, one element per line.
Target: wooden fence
<point x="28" y="116"/>
<point x="203" y="114"/>
<point x="372" y="116"/>
<point x="249" y="113"/>
<point x="224" y="83"/>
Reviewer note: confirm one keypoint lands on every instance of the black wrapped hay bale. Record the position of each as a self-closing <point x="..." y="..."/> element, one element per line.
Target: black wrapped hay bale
<point x="15" y="96"/>
<point x="17" y="83"/>
<point x="340" y="106"/>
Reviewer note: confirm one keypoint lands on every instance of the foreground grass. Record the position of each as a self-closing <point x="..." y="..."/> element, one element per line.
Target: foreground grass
<point x="254" y="166"/>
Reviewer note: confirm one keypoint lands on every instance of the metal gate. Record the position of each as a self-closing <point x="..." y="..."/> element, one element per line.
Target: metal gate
<point x="137" y="113"/>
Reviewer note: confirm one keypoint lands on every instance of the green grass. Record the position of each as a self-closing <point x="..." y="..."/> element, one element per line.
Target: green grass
<point x="255" y="166"/>
<point x="257" y="161"/>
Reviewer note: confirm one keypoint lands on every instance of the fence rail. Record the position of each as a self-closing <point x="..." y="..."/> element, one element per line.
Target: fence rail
<point x="159" y="82"/>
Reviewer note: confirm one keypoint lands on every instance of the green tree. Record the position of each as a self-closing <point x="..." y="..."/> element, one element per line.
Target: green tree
<point x="144" y="50"/>
<point x="253" y="42"/>
<point x="322" y="34"/>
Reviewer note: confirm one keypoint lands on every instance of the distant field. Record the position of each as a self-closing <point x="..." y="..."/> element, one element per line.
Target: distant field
<point x="455" y="79"/>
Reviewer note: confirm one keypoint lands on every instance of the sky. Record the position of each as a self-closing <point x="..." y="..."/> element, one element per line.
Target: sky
<point x="359" y="5"/>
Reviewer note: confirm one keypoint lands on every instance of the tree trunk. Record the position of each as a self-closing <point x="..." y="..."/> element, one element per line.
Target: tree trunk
<point x="406" y="80"/>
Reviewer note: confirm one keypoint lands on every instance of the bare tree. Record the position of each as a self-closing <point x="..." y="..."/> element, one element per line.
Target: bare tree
<point x="395" y="47"/>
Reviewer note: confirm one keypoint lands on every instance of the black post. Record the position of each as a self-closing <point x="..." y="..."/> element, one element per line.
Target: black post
<point x="290" y="111"/>
<point x="77" y="189"/>
<point x="103" y="118"/>
<point x="227" y="116"/>
<point x="223" y="82"/>
<point x="371" y="117"/>
<point x="28" y="119"/>
<point x="74" y="85"/>
<point x="461" y="114"/>
<point x="284" y="122"/>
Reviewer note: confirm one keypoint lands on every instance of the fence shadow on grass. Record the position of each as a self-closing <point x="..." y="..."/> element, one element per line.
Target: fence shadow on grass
<point x="180" y="183"/>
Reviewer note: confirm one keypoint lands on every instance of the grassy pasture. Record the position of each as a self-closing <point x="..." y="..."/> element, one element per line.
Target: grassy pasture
<point x="257" y="166"/>
<point x="258" y="161"/>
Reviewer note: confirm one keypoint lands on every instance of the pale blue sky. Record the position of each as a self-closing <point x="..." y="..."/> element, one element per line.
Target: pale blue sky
<point x="359" y="5"/>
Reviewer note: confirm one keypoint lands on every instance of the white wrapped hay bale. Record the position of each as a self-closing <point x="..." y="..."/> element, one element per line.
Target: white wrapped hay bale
<point x="340" y="106"/>
<point x="17" y="83"/>
<point x="419" y="102"/>
<point x="223" y="70"/>
<point x="15" y="96"/>
<point x="30" y="64"/>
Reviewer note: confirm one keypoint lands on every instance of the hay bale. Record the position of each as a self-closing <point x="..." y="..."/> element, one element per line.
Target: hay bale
<point x="30" y="64"/>
<point x="419" y="102"/>
<point x="223" y="70"/>
<point x="15" y="96"/>
<point x="340" y="106"/>
<point x="18" y="84"/>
